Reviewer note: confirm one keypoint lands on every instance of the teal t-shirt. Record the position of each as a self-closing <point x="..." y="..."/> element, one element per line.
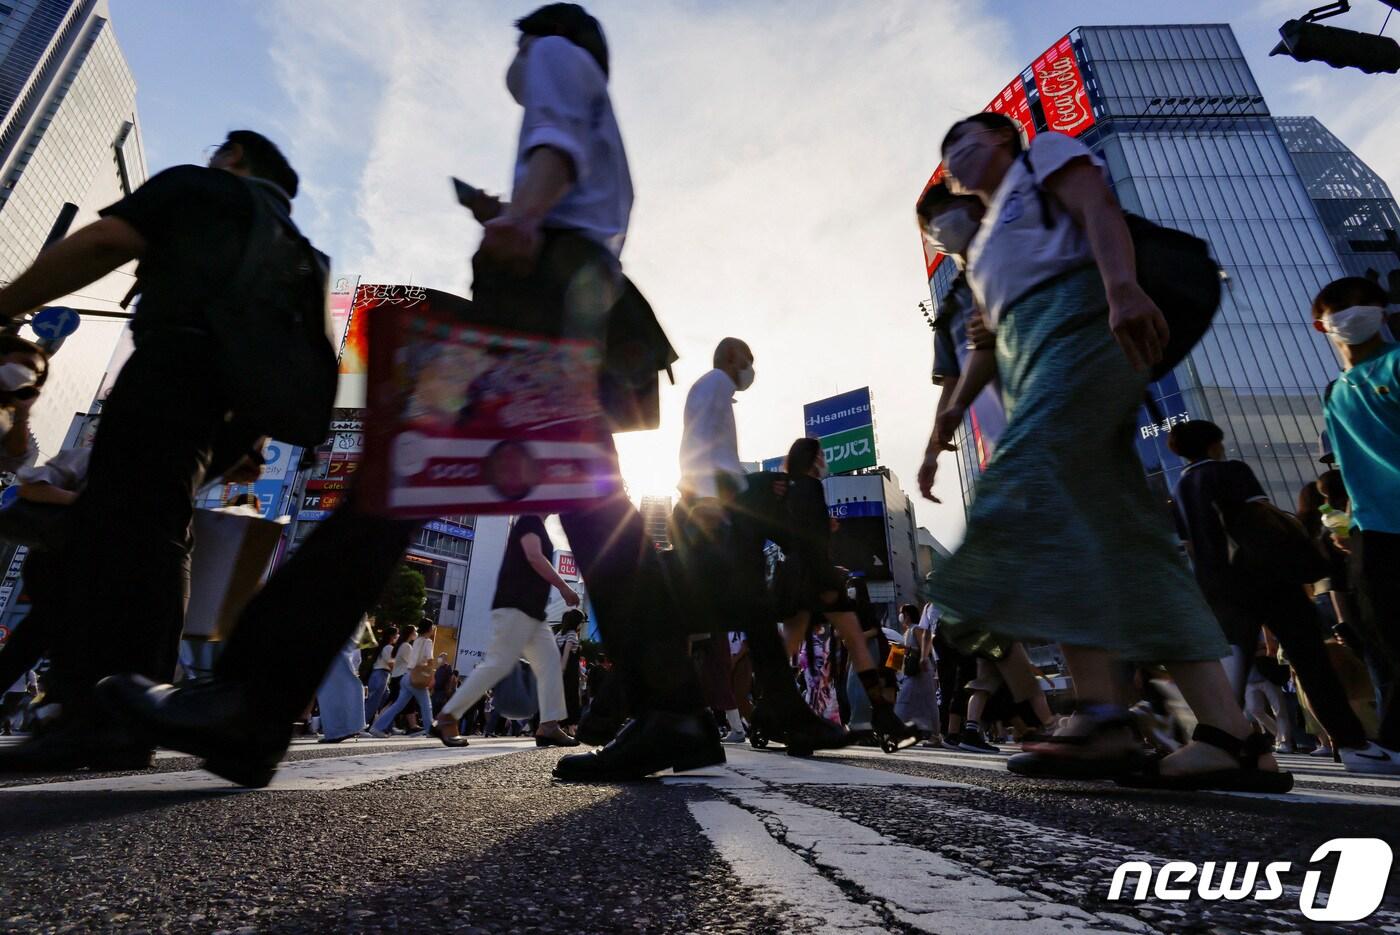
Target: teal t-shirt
<point x="1363" y="421"/>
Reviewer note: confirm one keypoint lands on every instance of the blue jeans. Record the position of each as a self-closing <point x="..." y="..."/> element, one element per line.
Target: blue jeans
<point x="378" y="686"/>
<point x="407" y="693"/>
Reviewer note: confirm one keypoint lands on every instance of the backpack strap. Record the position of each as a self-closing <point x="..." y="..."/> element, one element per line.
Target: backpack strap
<point x="1041" y="194"/>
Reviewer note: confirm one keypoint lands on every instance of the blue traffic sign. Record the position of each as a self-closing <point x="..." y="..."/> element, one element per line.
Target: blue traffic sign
<point x="55" y="322"/>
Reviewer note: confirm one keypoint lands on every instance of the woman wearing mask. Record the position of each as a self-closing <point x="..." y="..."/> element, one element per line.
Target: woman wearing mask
<point x="23" y="370"/>
<point x="1063" y="508"/>
<point x="821" y="587"/>
<point x="918" y="690"/>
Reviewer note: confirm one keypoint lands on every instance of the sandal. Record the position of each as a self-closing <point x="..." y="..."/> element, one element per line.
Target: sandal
<point x="1247" y="777"/>
<point x="1062" y="756"/>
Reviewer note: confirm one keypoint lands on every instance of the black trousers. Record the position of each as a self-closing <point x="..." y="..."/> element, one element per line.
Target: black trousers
<point x="1376" y="562"/>
<point x="127" y="564"/>
<point x="1293" y="619"/>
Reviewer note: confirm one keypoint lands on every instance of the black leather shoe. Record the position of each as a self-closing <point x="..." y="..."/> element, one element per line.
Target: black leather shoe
<point x="210" y="718"/>
<point x="799" y="729"/>
<point x="78" y="743"/>
<point x="645" y="745"/>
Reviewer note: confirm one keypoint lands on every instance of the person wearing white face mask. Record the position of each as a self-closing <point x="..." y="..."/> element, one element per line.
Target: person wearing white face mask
<point x="23" y="370"/>
<point x="1063" y="508"/>
<point x="1363" y="421"/>
<point x="718" y="530"/>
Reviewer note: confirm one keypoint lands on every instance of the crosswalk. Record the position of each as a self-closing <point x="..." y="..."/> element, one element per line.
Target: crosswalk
<point x="817" y="842"/>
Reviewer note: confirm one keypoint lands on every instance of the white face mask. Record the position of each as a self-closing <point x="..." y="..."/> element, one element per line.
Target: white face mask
<point x="1355" y="325"/>
<point x="745" y="378"/>
<point x="14" y="376"/>
<point x="951" y="231"/>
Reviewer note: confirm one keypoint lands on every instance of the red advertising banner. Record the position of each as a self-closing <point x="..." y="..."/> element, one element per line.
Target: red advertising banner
<point x="568" y="568"/>
<point x="469" y="419"/>
<point x="1062" y="93"/>
<point x="1012" y="102"/>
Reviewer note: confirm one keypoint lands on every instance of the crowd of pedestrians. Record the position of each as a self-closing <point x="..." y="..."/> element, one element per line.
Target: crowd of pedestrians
<point x="711" y="641"/>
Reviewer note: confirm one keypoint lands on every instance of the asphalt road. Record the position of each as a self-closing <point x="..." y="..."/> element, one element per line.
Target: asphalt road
<point x="407" y="836"/>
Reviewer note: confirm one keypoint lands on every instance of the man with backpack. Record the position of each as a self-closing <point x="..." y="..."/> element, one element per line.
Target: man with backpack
<point x="173" y="415"/>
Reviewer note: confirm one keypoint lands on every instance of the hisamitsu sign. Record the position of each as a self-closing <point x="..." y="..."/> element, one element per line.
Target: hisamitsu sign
<point x="846" y="426"/>
<point x="838" y="413"/>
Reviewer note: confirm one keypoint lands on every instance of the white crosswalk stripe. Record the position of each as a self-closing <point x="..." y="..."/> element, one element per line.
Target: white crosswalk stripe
<point x="316" y="775"/>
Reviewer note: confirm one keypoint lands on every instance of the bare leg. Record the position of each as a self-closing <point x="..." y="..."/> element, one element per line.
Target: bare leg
<point x="1018" y="673"/>
<point x="848" y="627"/>
<point x="1208" y="692"/>
<point x="795" y="631"/>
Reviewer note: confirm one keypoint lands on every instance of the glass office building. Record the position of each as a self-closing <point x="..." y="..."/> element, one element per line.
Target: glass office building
<point x="68" y="135"/>
<point x="1189" y="142"/>
<point x="1355" y="205"/>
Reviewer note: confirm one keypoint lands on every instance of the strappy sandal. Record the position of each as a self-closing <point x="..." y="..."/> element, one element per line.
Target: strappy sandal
<point x="1247" y="777"/>
<point x="1062" y="756"/>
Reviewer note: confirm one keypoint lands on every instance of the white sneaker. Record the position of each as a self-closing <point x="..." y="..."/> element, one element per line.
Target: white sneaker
<point x="734" y="736"/>
<point x="1321" y="751"/>
<point x="1372" y="758"/>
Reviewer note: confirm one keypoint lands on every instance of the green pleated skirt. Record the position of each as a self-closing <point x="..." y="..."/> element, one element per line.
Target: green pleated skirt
<point x="1065" y="542"/>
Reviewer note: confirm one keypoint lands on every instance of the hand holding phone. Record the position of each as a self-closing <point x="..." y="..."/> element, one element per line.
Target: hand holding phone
<point x="483" y="207"/>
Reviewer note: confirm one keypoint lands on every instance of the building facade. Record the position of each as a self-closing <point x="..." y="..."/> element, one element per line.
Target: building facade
<point x="1354" y="203"/>
<point x="68" y="135"/>
<point x="1189" y="142"/>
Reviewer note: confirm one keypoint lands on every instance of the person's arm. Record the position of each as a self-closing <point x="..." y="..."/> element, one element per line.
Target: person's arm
<point x="979" y="370"/>
<point x="1137" y="323"/>
<point x="534" y="555"/>
<point x="16" y="444"/>
<point x="46" y="493"/>
<point x="74" y="262"/>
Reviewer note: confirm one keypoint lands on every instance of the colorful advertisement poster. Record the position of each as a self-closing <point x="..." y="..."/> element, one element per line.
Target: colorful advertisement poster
<point x="1063" y="96"/>
<point x="1012" y="102"/>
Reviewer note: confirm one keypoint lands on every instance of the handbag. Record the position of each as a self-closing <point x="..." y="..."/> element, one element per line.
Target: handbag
<point x="421" y="675"/>
<point x="515" y="695"/>
<point x="271" y="323"/>
<point x="1176" y="271"/>
<point x="1267" y="544"/>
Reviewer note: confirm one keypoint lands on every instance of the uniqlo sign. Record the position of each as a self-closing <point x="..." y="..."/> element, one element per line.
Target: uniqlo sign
<point x="1062" y="93"/>
<point x="568" y="568"/>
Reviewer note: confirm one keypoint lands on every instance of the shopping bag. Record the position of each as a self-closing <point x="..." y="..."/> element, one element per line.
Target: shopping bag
<point x="515" y="695"/>
<point x="465" y="418"/>
<point x="232" y="549"/>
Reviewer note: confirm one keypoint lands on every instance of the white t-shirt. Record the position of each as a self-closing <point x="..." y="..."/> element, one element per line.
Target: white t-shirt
<point x="66" y="470"/>
<point x="1014" y="251"/>
<point x="709" y="437"/>
<point x="404" y="659"/>
<point x="565" y="96"/>
<point x="386" y="658"/>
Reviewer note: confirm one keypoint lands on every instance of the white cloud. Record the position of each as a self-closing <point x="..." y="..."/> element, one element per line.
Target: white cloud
<point x="776" y="151"/>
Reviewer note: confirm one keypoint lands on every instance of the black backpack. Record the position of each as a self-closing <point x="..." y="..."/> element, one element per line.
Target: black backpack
<point x="1176" y="271"/>
<point x="275" y="358"/>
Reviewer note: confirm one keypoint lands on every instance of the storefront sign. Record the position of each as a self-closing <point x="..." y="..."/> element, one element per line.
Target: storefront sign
<point x="1063" y="97"/>
<point x="850" y="451"/>
<point x="568" y="568"/>
<point x="450" y="529"/>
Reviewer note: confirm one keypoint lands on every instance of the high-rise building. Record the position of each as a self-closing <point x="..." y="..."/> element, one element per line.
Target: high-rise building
<point x="1189" y="142"/>
<point x="68" y="135"/>
<point x="656" y="514"/>
<point x="1354" y="203"/>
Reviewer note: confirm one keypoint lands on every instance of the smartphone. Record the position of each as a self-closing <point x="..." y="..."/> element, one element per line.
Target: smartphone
<point x="466" y="194"/>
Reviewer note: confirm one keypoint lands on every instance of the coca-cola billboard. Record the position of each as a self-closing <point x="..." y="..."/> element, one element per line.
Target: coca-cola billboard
<point x="1012" y="103"/>
<point x="1062" y="93"/>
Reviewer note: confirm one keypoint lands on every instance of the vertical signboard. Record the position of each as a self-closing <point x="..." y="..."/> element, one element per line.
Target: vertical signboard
<point x="845" y="425"/>
<point x="1062" y="93"/>
<point x="1013" y="102"/>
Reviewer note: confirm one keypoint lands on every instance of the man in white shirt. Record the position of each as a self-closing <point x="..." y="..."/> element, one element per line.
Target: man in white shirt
<point x="709" y="437"/>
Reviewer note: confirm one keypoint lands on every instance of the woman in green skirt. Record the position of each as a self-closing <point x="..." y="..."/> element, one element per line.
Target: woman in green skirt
<point x="1065" y="541"/>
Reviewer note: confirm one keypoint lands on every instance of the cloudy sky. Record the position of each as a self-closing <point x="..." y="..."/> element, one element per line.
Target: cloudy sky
<point x="776" y="149"/>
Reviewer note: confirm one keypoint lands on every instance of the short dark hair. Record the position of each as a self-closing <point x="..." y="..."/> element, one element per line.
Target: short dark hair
<point x="568" y="21"/>
<point x="572" y="620"/>
<point x="407" y="630"/>
<point x="14" y="344"/>
<point x="911" y="611"/>
<point x="990" y="120"/>
<point x="939" y="196"/>
<point x="265" y="160"/>
<point x="802" y="455"/>
<point x="427" y="623"/>
<point x="1346" y="292"/>
<point x="1193" y="440"/>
